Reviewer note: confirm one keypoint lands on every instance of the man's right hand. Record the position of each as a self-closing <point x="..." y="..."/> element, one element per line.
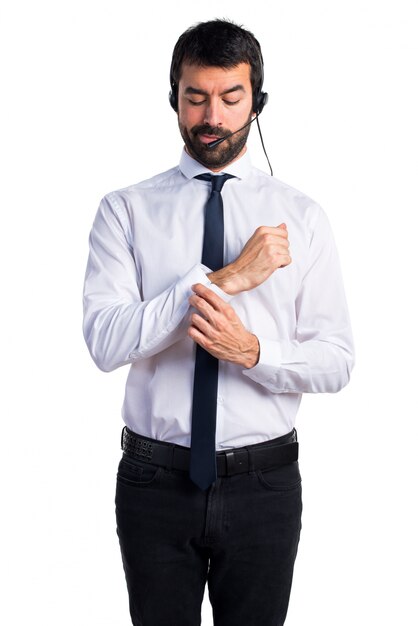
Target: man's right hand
<point x="264" y="252"/>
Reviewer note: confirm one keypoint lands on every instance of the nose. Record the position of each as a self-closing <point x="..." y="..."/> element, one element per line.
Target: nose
<point x="213" y="115"/>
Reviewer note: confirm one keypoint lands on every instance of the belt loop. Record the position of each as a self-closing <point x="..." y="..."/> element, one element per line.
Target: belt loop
<point x="230" y="462"/>
<point x="121" y="437"/>
<point x="170" y="457"/>
<point x="250" y="461"/>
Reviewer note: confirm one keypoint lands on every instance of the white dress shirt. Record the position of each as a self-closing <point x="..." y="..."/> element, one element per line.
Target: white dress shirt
<point x="145" y="251"/>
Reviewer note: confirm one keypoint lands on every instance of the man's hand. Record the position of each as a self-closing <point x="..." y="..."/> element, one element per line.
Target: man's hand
<point x="264" y="252"/>
<point x="217" y="328"/>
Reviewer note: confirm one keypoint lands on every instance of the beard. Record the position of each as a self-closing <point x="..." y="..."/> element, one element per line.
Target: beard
<point x="219" y="156"/>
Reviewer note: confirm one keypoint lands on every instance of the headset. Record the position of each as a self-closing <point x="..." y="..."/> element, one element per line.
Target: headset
<point x="260" y="99"/>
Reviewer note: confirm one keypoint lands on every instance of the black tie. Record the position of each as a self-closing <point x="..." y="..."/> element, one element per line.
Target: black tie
<point x="205" y="388"/>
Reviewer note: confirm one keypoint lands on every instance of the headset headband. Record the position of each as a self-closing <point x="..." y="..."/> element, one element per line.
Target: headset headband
<point x="259" y="97"/>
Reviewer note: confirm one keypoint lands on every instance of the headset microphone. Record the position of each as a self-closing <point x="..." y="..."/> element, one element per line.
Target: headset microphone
<point x="213" y="144"/>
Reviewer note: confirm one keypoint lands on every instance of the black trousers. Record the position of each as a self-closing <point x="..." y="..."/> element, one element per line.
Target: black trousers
<point x="240" y="537"/>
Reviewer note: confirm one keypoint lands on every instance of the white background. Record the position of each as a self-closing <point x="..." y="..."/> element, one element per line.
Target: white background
<point x="85" y="111"/>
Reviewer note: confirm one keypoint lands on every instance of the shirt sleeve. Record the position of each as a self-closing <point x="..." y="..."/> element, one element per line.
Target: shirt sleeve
<point x="321" y="355"/>
<point x="119" y="326"/>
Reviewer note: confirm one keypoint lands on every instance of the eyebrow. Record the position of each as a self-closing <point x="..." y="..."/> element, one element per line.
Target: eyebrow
<point x="202" y="92"/>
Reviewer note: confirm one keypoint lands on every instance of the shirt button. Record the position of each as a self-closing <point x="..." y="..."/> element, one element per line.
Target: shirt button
<point x="220" y="400"/>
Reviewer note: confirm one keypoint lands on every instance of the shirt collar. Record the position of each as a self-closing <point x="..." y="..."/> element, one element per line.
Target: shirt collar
<point x="191" y="168"/>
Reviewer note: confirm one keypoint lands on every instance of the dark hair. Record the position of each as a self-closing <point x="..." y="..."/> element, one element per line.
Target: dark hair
<point x="218" y="43"/>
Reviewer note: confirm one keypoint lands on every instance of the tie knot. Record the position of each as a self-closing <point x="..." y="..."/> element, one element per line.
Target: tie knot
<point x="216" y="181"/>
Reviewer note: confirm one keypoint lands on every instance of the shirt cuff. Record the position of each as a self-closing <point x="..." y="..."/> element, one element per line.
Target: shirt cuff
<point x="270" y="359"/>
<point x="226" y="297"/>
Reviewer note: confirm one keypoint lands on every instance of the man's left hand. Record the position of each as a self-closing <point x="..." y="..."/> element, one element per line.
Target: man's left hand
<point x="218" y="329"/>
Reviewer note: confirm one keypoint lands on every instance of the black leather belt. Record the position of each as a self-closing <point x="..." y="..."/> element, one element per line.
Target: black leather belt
<point x="261" y="456"/>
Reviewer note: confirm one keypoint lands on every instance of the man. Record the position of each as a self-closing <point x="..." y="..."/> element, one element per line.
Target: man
<point x="190" y="280"/>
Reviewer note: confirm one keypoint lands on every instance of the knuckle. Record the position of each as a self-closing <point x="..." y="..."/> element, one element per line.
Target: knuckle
<point x="230" y="315"/>
<point x="263" y="232"/>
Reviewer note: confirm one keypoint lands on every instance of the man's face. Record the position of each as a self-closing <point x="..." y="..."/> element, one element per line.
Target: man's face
<point x="212" y="103"/>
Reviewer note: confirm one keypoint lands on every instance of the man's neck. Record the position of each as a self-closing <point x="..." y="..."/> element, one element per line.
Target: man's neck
<point x="218" y="169"/>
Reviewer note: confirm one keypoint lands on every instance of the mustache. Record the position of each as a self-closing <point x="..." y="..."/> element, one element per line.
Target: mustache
<point x="205" y="129"/>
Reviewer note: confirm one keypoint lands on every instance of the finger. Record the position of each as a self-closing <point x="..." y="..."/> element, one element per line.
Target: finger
<point x="209" y="296"/>
<point x="196" y="335"/>
<point x="280" y="231"/>
<point x="203" y="307"/>
<point x="199" y="322"/>
<point x="285" y="260"/>
<point x="283" y="233"/>
<point x="199" y="338"/>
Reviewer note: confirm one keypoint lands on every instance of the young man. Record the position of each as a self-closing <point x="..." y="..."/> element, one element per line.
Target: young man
<point x="191" y="281"/>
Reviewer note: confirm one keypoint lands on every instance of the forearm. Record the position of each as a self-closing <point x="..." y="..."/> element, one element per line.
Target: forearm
<point x="265" y="252"/>
<point x="117" y="332"/>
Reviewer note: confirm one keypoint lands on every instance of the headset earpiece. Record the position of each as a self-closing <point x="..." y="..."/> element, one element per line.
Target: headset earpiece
<point x="259" y="101"/>
<point x="173" y="97"/>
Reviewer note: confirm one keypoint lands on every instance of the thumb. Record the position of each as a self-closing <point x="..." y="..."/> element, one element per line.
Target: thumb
<point x="283" y="225"/>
